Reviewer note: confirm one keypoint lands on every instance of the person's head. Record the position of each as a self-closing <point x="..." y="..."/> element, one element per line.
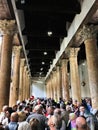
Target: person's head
<point x="56" y="120"/>
<point x="38" y="101"/>
<point x="57" y="112"/>
<point x="15" y="107"/>
<point x="27" y="108"/>
<point x="5" y="108"/>
<point x="50" y="110"/>
<point x="82" y="109"/>
<point x="81" y="123"/>
<point x="38" y="109"/>
<point x="9" y="112"/>
<point x="62" y="106"/>
<point x="34" y="123"/>
<point x="68" y="108"/>
<point x="14" y="117"/>
<point x="72" y="116"/>
<point x="22" y="116"/>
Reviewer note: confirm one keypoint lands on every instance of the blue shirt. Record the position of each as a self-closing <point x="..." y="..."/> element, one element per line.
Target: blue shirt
<point x="12" y="126"/>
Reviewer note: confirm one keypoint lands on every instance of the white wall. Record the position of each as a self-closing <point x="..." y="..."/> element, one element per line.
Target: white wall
<point x="38" y="90"/>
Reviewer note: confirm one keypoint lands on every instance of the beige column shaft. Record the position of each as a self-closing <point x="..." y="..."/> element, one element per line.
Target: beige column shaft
<point x="92" y="62"/>
<point x="53" y="82"/>
<point x="49" y="88"/>
<point x="28" y="86"/>
<point x="22" y="63"/>
<point x="47" y="84"/>
<point x="0" y="49"/>
<point x="7" y="29"/>
<point x="75" y="80"/>
<point x="15" y="79"/>
<point x="55" y="86"/>
<point x="46" y="89"/>
<point x="52" y="87"/>
<point x="65" y="83"/>
<point x="59" y="92"/>
<point x="24" y="83"/>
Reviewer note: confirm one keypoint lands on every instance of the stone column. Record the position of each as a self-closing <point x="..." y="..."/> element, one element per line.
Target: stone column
<point x="46" y="89"/>
<point x="65" y="84"/>
<point x="89" y="35"/>
<point x="0" y="48"/>
<point x="52" y="86"/>
<point x="22" y="63"/>
<point x="47" y="84"/>
<point x="50" y="82"/>
<point x="30" y="84"/>
<point x="7" y="29"/>
<point x="59" y="93"/>
<point x="74" y="72"/>
<point x="55" y="85"/>
<point x="24" y="83"/>
<point x="15" y="79"/>
<point x="27" y="85"/>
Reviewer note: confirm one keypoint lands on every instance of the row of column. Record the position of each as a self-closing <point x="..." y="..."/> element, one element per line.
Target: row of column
<point x="14" y="81"/>
<point x="58" y="85"/>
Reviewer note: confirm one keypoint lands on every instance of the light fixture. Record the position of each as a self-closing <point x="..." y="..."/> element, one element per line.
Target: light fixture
<point x="49" y="33"/>
<point x="43" y="63"/>
<point x="41" y="69"/>
<point x="45" y="53"/>
<point x="22" y="1"/>
<point x="40" y="73"/>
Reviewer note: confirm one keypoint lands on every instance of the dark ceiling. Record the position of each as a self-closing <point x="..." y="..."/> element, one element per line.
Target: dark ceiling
<point x="43" y="17"/>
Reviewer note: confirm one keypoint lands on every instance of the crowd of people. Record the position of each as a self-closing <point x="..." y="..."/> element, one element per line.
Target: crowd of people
<point x="47" y="114"/>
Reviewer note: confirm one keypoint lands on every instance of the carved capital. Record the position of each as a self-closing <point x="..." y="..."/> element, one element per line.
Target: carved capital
<point x="7" y="27"/>
<point x="73" y="52"/>
<point x="17" y="49"/>
<point x="88" y="32"/>
<point x="64" y="61"/>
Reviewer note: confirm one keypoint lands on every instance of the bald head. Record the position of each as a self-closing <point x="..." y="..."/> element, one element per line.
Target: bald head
<point x="14" y="117"/>
<point x="81" y="123"/>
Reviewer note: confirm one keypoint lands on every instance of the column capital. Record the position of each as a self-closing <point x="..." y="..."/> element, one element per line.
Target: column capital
<point x="57" y="68"/>
<point x="64" y="61"/>
<point x="7" y="27"/>
<point x="89" y="32"/>
<point x="73" y="52"/>
<point x="17" y="49"/>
